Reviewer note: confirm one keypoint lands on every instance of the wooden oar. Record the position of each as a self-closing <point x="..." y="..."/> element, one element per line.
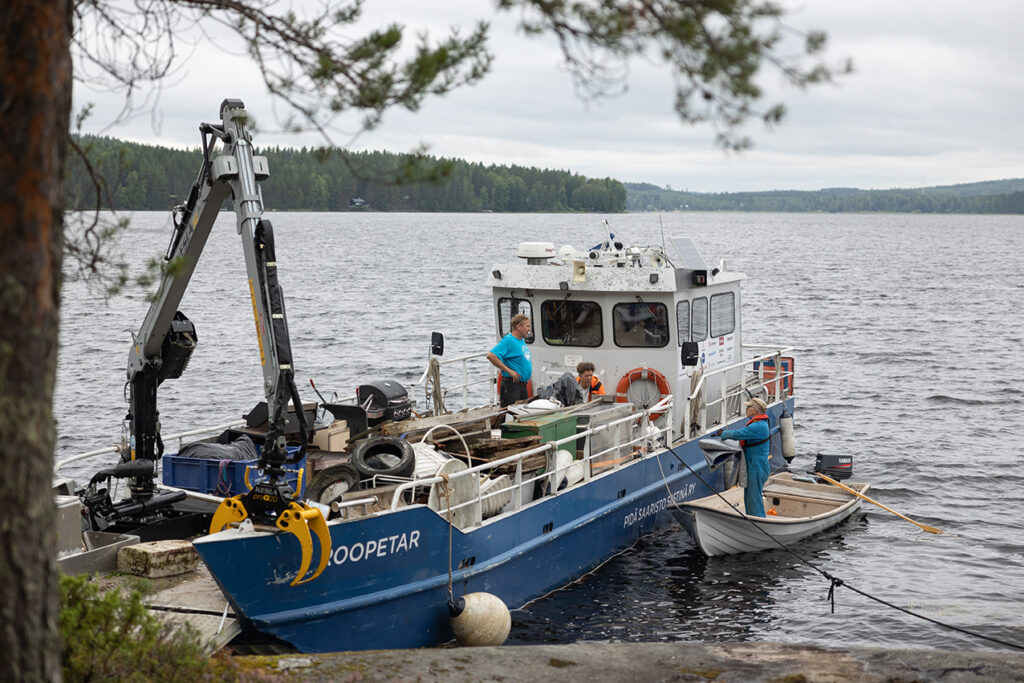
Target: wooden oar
<point x="929" y="529"/>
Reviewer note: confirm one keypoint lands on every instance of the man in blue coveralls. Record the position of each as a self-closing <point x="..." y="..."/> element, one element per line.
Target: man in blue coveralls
<point x="754" y="437"/>
<point x="512" y="357"/>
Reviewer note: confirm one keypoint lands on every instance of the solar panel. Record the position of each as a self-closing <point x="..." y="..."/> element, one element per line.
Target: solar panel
<point x="691" y="257"/>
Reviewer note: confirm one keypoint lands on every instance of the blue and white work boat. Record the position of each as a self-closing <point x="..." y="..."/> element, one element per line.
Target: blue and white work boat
<point x="580" y="483"/>
<point x="411" y="509"/>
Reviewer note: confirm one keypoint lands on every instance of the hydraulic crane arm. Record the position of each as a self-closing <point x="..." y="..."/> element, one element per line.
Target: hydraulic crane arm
<point x="164" y="342"/>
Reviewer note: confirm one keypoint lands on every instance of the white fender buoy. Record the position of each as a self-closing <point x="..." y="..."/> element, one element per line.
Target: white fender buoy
<point x="480" y="619"/>
<point x="565" y="471"/>
<point x="786" y="431"/>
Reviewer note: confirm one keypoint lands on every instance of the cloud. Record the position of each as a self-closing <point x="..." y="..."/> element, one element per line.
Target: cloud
<point x="934" y="100"/>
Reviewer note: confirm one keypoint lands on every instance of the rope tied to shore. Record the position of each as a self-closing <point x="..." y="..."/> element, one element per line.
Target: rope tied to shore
<point x="833" y="584"/>
<point x="836" y="582"/>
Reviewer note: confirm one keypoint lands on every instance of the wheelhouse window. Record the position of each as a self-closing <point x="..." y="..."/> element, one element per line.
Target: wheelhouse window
<point x="723" y="314"/>
<point x="508" y="307"/>
<point x="699" y="320"/>
<point x="683" y="321"/>
<point x="640" y="324"/>
<point x="571" y="323"/>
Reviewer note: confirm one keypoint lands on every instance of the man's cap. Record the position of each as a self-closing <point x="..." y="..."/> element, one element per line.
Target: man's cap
<point x="757" y="403"/>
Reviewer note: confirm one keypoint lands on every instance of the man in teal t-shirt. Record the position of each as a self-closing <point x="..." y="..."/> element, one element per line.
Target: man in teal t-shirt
<point x="512" y="357"/>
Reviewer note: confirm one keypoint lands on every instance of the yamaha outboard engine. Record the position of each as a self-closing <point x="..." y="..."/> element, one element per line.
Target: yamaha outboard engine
<point x="838" y="467"/>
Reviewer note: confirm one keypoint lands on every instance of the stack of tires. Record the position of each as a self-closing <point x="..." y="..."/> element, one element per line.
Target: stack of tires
<point x="385" y="456"/>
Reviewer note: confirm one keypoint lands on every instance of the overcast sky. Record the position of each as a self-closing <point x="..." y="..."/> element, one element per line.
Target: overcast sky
<point x="936" y="98"/>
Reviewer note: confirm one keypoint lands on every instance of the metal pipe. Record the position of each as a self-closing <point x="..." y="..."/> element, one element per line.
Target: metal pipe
<point x="115" y="449"/>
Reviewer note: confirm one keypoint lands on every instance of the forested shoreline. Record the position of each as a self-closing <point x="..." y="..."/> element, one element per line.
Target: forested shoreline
<point x="998" y="196"/>
<point x="152" y="178"/>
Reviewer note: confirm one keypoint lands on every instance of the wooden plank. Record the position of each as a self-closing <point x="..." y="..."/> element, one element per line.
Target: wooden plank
<point x="448" y="441"/>
<point x="421" y="424"/>
<point x="196" y="599"/>
<point x="818" y="494"/>
<point x="214" y="631"/>
<point x="530" y="463"/>
<point x="487" y="447"/>
<point x="199" y="593"/>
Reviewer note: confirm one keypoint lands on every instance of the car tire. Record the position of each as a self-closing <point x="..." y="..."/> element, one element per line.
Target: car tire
<point x="384" y="455"/>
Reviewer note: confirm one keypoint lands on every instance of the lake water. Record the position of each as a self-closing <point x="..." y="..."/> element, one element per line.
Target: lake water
<point x="909" y="338"/>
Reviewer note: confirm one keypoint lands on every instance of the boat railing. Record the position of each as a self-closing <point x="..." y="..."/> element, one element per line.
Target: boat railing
<point x="776" y="385"/>
<point x="644" y="439"/>
<point x="179" y="437"/>
<point x="430" y="380"/>
<point x="342" y="507"/>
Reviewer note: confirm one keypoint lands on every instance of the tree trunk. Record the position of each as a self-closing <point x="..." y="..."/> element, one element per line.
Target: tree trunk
<point x="35" y="104"/>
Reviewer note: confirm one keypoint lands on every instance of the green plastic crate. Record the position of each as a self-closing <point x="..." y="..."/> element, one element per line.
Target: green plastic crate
<point x="548" y="427"/>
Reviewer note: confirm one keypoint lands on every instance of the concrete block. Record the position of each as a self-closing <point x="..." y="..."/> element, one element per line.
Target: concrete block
<point x="158" y="558"/>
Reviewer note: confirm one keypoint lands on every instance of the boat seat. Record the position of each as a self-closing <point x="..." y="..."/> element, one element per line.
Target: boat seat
<point x="788" y="491"/>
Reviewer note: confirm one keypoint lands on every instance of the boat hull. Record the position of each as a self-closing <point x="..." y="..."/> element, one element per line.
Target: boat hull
<point x="724" y="531"/>
<point x="387" y="582"/>
<point x="386" y="585"/>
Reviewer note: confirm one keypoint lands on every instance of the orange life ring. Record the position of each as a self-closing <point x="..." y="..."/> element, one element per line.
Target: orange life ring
<point x="643" y="373"/>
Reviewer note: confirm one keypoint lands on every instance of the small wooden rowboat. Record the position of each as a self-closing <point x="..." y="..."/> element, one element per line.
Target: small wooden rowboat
<point x="803" y="509"/>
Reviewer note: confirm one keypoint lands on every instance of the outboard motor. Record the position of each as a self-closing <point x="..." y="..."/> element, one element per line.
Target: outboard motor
<point x="838" y="467"/>
<point x="384" y="400"/>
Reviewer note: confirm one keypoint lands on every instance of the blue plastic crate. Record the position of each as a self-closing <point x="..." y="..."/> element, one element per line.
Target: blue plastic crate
<point x="221" y="478"/>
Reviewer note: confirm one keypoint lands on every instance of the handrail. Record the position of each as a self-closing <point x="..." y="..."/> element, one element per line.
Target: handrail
<point x="351" y="399"/>
<point x="115" y="449"/>
<point x="665" y="403"/>
<point x="721" y="402"/>
<point x="450" y="361"/>
<point x="740" y="364"/>
<point x="768" y="346"/>
<point x="464" y="360"/>
<point x="341" y="504"/>
<point x="635" y="441"/>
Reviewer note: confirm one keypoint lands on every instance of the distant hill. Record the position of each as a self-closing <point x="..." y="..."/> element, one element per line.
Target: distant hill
<point x="993" y="196"/>
<point x="147" y="177"/>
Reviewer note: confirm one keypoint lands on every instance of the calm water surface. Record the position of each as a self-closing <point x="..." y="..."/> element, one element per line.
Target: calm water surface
<point x="909" y="330"/>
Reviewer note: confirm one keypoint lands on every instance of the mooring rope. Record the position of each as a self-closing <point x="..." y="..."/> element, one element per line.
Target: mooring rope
<point x="835" y="582"/>
<point x="433" y="386"/>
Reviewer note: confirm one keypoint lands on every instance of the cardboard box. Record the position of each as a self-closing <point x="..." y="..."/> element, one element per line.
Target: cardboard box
<point x="333" y="438"/>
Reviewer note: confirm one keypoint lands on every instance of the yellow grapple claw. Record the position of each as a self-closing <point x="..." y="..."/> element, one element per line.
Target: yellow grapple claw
<point x="230" y="511"/>
<point x="298" y="519"/>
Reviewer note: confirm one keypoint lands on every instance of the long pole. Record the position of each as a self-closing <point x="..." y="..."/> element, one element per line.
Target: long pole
<point x="929" y="529"/>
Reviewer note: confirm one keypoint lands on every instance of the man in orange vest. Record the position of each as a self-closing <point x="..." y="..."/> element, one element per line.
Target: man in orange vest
<point x="590" y="385"/>
<point x="754" y="437"/>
